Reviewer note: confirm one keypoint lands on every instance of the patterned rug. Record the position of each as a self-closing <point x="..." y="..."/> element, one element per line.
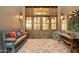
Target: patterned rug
<point x="44" y="46"/>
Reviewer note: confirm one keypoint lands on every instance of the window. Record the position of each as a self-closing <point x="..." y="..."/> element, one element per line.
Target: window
<point x="41" y="11"/>
<point x="64" y="23"/>
<point x="28" y="23"/>
<point x="53" y="23"/>
<point x="45" y="23"/>
<point x="37" y="23"/>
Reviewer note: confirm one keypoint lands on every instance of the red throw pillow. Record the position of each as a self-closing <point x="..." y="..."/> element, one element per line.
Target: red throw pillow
<point x="12" y="35"/>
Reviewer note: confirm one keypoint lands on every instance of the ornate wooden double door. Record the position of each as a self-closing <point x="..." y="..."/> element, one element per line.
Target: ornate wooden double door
<point x="40" y="27"/>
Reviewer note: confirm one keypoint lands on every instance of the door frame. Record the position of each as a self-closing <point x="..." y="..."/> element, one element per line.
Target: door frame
<point x="41" y="24"/>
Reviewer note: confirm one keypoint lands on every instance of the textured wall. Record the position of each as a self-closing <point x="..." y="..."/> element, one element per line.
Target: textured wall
<point x="67" y="9"/>
<point x="9" y="17"/>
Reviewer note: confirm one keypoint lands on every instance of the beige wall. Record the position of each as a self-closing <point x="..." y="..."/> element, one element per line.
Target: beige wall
<point x="67" y="9"/>
<point x="9" y="17"/>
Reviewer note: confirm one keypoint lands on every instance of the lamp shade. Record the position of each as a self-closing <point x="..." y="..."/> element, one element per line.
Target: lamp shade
<point x="62" y="16"/>
<point x="20" y="16"/>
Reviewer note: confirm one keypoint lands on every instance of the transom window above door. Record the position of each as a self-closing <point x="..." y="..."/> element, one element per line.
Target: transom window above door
<point x="41" y="11"/>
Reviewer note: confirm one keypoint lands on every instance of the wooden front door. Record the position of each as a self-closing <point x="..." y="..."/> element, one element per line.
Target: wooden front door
<point x="41" y="27"/>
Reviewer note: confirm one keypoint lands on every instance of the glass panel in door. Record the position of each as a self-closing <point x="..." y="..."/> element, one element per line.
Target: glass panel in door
<point x="36" y="27"/>
<point x="45" y="24"/>
<point x="37" y="23"/>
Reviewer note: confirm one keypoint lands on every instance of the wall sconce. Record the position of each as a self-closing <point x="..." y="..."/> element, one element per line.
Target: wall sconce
<point x="20" y="16"/>
<point x="62" y="16"/>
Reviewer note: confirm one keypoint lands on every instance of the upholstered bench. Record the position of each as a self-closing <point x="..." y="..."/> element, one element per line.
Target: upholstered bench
<point x="12" y="44"/>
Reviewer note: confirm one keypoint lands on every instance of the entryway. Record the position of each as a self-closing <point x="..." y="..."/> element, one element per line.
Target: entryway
<point x="41" y="22"/>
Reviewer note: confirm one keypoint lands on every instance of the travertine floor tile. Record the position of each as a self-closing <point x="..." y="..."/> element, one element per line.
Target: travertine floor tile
<point x="44" y="46"/>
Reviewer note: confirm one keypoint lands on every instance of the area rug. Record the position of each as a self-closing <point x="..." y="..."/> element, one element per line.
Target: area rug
<point x="44" y="46"/>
